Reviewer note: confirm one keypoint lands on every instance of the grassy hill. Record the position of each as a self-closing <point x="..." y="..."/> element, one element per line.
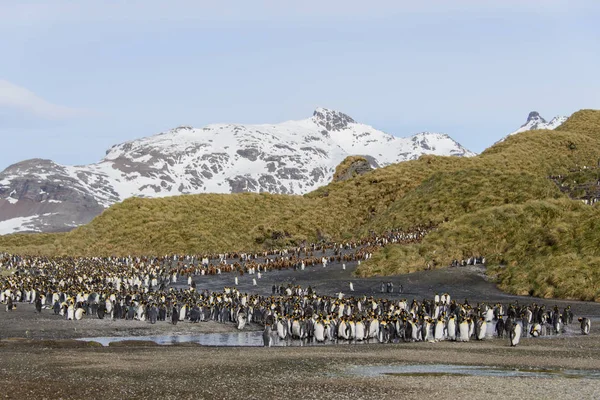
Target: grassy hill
<point x="542" y="248"/>
<point x="500" y="204"/>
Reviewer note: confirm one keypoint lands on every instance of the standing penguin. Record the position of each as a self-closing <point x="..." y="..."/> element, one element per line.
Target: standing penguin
<point x="79" y="313"/>
<point x="241" y="320"/>
<point x="438" y="332"/>
<point x="153" y="314"/>
<point x="267" y="339"/>
<point x="174" y="314"/>
<point x="425" y="329"/>
<point x="481" y="328"/>
<point x="452" y="328"/>
<point x="500" y="327"/>
<point x="282" y="329"/>
<point x="38" y="305"/>
<point x="236" y="281"/>
<point x="319" y="331"/>
<point x="70" y="312"/>
<point x="351" y="287"/>
<point x="515" y="334"/>
<point x="101" y="310"/>
<point x="56" y="307"/>
<point x="586" y="325"/>
<point x="463" y="328"/>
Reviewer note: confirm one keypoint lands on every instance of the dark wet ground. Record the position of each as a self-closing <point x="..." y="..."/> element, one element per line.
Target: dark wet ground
<point x="460" y="282"/>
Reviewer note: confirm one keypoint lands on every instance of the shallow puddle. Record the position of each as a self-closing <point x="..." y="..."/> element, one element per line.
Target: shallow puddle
<point x="233" y="339"/>
<point x="435" y="370"/>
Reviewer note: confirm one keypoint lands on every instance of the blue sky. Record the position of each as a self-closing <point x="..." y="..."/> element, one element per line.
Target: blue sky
<point x="78" y="77"/>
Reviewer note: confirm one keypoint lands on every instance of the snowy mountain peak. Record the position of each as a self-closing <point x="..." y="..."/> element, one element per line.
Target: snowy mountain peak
<point x="535" y="117"/>
<point x="535" y="121"/>
<point x="293" y="157"/>
<point x="331" y="120"/>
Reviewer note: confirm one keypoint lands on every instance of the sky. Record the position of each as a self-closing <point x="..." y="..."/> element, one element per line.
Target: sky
<point x="79" y="77"/>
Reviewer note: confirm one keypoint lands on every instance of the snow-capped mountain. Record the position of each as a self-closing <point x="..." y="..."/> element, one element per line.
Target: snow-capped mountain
<point x="292" y="157"/>
<point x="535" y="121"/>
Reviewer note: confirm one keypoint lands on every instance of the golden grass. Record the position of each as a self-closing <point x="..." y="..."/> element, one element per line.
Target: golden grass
<point x="341" y="169"/>
<point x="542" y="248"/>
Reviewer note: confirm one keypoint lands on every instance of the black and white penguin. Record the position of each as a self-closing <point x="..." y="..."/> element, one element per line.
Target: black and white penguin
<point x="438" y="330"/>
<point x="241" y="320"/>
<point x="451" y="329"/>
<point x="586" y="325"/>
<point x="162" y="312"/>
<point x="319" y="331"/>
<point x="500" y="327"/>
<point x="175" y="315"/>
<point x="152" y="314"/>
<point x="70" y="312"/>
<point x="267" y="339"/>
<point x="79" y="313"/>
<point x="463" y="328"/>
<point x="56" y="307"/>
<point x="38" y="305"/>
<point x="282" y="329"/>
<point x="536" y="330"/>
<point x="101" y="310"/>
<point x="515" y="334"/>
<point x="481" y="328"/>
<point x="425" y="330"/>
<point x="9" y="304"/>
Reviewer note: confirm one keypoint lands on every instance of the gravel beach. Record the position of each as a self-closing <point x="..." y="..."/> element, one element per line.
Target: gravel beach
<point x="39" y="359"/>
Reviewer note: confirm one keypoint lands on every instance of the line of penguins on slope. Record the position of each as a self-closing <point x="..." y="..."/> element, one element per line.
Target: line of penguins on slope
<point x="77" y="286"/>
<point x="93" y="279"/>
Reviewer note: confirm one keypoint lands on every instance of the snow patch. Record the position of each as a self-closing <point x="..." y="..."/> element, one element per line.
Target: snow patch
<point x="18" y="224"/>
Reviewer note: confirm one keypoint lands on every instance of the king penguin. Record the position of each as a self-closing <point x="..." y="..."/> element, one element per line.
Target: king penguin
<point x="481" y="328"/>
<point x="586" y="325"/>
<point x="452" y="328"/>
<point x="267" y="339"/>
<point x="319" y="331"/>
<point x="536" y="330"/>
<point x="438" y="333"/>
<point x="515" y="334"/>
<point x="463" y="328"/>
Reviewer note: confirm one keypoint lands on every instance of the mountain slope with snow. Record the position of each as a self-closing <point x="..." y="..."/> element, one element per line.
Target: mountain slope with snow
<point x="292" y="157"/>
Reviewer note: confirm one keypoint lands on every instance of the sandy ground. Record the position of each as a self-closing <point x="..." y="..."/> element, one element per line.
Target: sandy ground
<point x="51" y="370"/>
<point x="37" y="359"/>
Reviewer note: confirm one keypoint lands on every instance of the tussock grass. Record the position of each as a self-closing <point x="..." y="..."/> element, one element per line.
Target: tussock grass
<point x="341" y="169"/>
<point x="541" y="248"/>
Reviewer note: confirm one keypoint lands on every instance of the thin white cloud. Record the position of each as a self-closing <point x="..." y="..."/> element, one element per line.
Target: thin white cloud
<point x="18" y="98"/>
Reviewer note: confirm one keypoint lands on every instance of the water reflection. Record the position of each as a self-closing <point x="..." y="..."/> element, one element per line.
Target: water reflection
<point x="468" y="370"/>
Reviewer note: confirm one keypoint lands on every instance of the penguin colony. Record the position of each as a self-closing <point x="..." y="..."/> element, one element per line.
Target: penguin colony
<point x="140" y="288"/>
<point x="295" y="313"/>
